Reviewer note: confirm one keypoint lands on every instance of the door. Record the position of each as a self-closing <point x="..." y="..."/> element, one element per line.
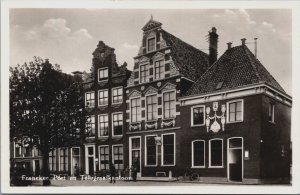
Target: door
<point x="90" y="160"/>
<point x="135" y="153"/>
<point x="235" y="159"/>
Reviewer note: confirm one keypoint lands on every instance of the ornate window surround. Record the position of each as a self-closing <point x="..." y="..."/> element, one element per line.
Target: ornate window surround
<point x="158" y="57"/>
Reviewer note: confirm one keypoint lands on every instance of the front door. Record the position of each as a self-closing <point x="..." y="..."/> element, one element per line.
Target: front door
<point x="235" y="159"/>
<point x="90" y="160"/>
<point x="135" y="153"/>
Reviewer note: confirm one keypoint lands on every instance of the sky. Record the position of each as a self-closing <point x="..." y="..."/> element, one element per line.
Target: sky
<point x="68" y="37"/>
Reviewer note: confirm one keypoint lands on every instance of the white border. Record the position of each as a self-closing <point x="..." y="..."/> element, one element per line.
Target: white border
<point x="228" y="140"/>
<point x="130" y="153"/>
<point x="227" y="110"/>
<point x="192" y="115"/>
<point x="104" y="78"/>
<point x="99" y="134"/>
<point x="112" y="95"/>
<point x="103" y="90"/>
<point x="79" y="160"/>
<point x="112" y="124"/>
<point x="99" y="155"/>
<point x="5" y="5"/>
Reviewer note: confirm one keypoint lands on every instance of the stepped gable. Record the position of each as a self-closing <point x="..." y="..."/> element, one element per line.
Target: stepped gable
<point x="237" y="67"/>
<point x="190" y="61"/>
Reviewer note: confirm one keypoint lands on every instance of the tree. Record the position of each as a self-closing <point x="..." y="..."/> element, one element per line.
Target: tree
<point x="46" y="108"/>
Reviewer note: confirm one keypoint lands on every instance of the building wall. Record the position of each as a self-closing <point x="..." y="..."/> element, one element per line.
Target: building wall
<point x="276" y="153"/>
<point x="249" y="130"/>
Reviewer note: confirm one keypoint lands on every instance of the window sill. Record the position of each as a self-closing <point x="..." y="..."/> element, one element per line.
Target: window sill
<point x="117" y="136"/>
<point x="197" y="167"/>
<point x="272" y="122"/>
<point x="218" y="167"/>
<point x="152" y="121"/>
<point x="150" y="165"/>
<point x="102" y="105"/>
<point x="227" y="122"/>
<point x="202" y="125"/>
<point x="102" y="80"/>
<point x="168" y="165"/>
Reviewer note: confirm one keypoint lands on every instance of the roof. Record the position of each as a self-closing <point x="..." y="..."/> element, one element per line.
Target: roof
<point x="151" y="24"/>
<point x="237" y="67"/>
<point x="190" y="61"/>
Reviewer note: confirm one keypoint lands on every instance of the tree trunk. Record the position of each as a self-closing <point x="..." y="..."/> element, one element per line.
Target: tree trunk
<point x="45" y="156"/>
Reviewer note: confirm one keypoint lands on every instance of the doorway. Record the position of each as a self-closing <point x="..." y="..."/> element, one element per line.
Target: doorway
<point x="135" y="153"/>
<point x="90" y="160"/>
<point x="235" y="159"/>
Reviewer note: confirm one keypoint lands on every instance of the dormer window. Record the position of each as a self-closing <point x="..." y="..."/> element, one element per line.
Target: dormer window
<point x="151" y="44"/>
<point x="159" y="69"/>
<point x="102" y="73"/>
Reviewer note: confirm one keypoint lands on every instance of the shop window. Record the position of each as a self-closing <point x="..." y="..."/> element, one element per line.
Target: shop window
<point x="118" y="158"/>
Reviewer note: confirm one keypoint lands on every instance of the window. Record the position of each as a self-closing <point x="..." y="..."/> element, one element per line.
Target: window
<point x="144" y="73"/>
<point x="271" y="112"/>
<point x="117" y="124"/>
<point x="63" y="161"/>
<point x="150" y="150"/>
<point x="216" y="153"/>
<point x="198" y="153"/>
<point x="103" y="97"/>
<point x="235" y="111"/>
<point x="90" y="99"/>
<point x="135" y="110"/>
<point x="36" y="151"/>
<point x="168" y="149"/>
<point x="52" y="160"/>
<point x="169" y="105"/>
<point x="104" y="157"/>
<point x="103" y="125"/>
<point x="198" y="115"/>
<point x="90" y="126"/>
<point x="151" y="107"/>
<point x="159" y="69"/>
<point x="102" y="73"/>
<point x="118" y="157"/>
<point x="18" y="150"/>
<point x="151" y="44"/>
<point x="117" y="94"/>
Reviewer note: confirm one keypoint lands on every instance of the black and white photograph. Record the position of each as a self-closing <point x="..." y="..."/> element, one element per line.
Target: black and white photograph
<point x="137" y="96"/>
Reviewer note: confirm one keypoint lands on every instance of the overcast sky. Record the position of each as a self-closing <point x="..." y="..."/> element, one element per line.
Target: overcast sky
<point x="69" y="36"/>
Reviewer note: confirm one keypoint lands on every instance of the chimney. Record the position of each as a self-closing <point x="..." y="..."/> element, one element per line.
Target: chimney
<point x="229" y="45"/>
<point x="243" y="41"/>
<point x="213" y="45"/>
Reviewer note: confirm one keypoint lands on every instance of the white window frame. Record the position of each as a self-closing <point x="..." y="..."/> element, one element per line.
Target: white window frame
<point x="99" y="134"/>
<point x="113" y="154"/>
<point x="140" y="99"/>
<point x="273" y="112"/>
<point x="193" y="166"/>
<point x="101" y="79"/>
<point x="146" y="77"/>
<point x="112" y="123"/>
<point x="103" y="90"/>
<point x="156" y="156"/>
<point x="54" y="150"/>
<point x="162" y="150"/>
<point x="146" y="105"/>
<point x="227" y="110"/>
<point x="163" y="106"/>
<point x="112" y="95"/>
<point x="99" y="155"/>
<point x="154" y="67"/>
<point x="242" y="147"/>
<point x="209" y="153"/>
<point x="147" y="42"/>
<point x="85" y="99"/>
<point x="90" y="116"/>
<point x="192" y="116"/>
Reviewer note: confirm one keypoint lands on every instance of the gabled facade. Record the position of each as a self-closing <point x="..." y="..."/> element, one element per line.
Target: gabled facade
<point x="106" y="108"/>
<point x="164" y="69"/>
